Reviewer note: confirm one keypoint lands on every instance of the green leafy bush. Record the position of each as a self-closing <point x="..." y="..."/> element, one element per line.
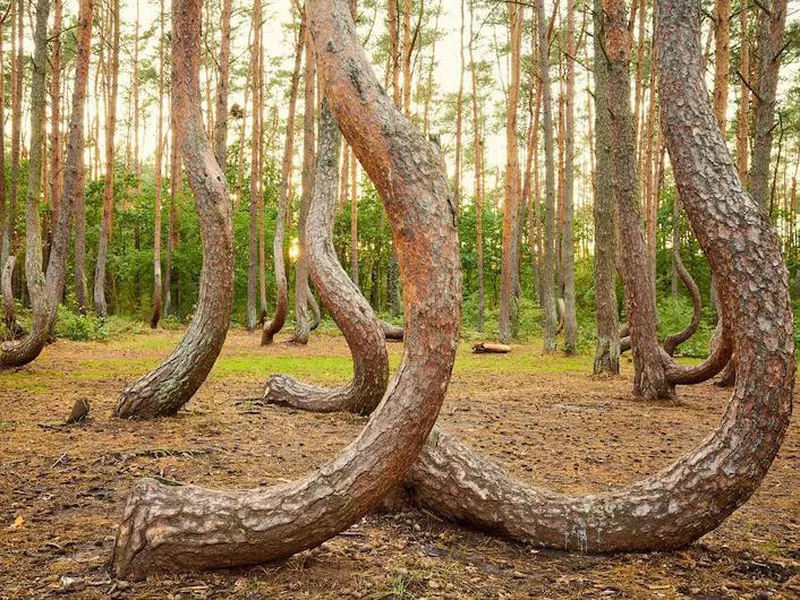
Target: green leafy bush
<point x="80" y="328"/>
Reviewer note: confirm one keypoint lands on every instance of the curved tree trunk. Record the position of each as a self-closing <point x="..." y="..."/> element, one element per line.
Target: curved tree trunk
<point x="15" y="331"/>
<point x="607" y="351"/>
<point x="166" y="389"/>
<point x="696" y="493"/>
<point x="350" y="310"/>
<point x="281" y="284"/>
<point x="673" y="341"/>
<point x="44" y="291"/>
<point x="187" y="527"/>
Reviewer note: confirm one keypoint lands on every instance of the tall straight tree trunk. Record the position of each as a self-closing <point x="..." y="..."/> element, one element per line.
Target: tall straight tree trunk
<point x="3" y="210"/>
<point x="302" y="292"/>
<point x="770" y="45"/>
<point x="9" y="244"/>
<point x="743" y="112"/>
<point x="459" y="114"/>
<point x="606" y="356"/>
<point x="106" y="224"/>
<point x="398" y="95"/>
<point x="55" y="115"/>
<point x="507" y="319"/>
<point x="159" y="159"/>
<point x="549" y="254"/>
<point x="722" y="60"/>
<point x="279" y="253"/>
<point x="650" y="379"/>
<point x="256" y="141"/>
<point x="163" y="391"/>
<point x="137" y="165"/>
<point x="354" y="219"/>
<point x="221" y="122"/>
<point x="567" y="242"/>
<point x="477" y="150"/>
<point x="175" y="185"/>
<point x="276" y="522"/>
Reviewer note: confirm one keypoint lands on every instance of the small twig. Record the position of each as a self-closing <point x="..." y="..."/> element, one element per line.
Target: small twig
<point x="60" y="458"/>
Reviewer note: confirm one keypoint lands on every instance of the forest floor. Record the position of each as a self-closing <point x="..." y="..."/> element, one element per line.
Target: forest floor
<point x="62" y="489"/>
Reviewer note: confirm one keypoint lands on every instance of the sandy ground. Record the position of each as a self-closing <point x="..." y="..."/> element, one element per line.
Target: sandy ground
<point x="545" y="420"/>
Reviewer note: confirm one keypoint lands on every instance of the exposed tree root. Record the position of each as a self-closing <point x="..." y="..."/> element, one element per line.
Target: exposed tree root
<point x="392" y="332"/>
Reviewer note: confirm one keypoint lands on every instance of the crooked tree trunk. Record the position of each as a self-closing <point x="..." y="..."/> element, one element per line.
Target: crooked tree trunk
<point x="163" y="391"/>
<point x="352" y="313"/>
<point x="637" y="275"/>
<point x="696" y="493"/>
<point x="187" y="527"/>
<point x="279" y="254"/>
<point x="606" y="356"/>
<point x="15" y="331"/>
<point x="44" y="290"/>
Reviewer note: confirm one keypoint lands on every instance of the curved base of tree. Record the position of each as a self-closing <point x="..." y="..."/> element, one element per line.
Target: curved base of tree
<point x="673" y="341"/>
<point x="163" y="391"/>
<point x="392" y="332"/>
<point x="15" y="330"/>
<point x="727" y="376"/>
<point x="189" y="528"/>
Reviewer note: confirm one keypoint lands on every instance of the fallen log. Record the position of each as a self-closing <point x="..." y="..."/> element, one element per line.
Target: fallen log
<point x="490" y="348"/>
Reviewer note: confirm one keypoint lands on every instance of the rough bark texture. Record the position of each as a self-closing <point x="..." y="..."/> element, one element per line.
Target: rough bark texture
<point x="158" y="301"/>
<point x="188" y="527"/>
<point x="507" y="317"/>
<point x="770" y="43"/>
<point x="567" y="242"/>
<point x="722" y="60"/>
<point x="743" y="111"/>
<point x="341" y="297"/>
<point x="549" y="258"/>
<point x="279" y="253"/>
<point x="696" y="493"/>
<point x="649" y="379"/>
<point x="167" y="388"/>
<point x="302" y="291"/>
<point x="606" y="356"/>
<point x="19" y="352"/>
<point x="106" y="224"/>
<point x="221" y="123"/>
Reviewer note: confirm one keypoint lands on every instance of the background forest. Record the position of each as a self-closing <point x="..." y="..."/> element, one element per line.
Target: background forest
<point x="133" y="171"/>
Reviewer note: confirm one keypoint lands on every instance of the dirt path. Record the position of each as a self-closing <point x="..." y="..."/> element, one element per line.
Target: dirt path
<point x="544" y="419"/>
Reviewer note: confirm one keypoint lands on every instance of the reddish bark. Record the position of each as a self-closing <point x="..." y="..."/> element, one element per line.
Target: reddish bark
<point x="187" y="527"/>
<point x="163" y="391"/>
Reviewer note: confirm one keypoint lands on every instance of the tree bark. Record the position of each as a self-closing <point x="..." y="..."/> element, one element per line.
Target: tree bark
<point x="567" y="242"/>
<point x="477" y="149"/>
<point x="279" y="253"/>
<point x="163" y="391"/>
<point x="722" y="60"/>
<point x="256" y="141"/>
<point x="55" y="117"/>
<point x="606" y="356"/>
<point x="221" y="123"/>
<point x="340" y="296"/>
<point x="549" y="254"/>
<point x="743" y="112"/>
<point x="302" y="292"/>
<point x="106" y="224"/>
<point x="649" y="379"/>
<point x="507" y="318"/>
<point x="695" y="494"/>
<point x="159" y="153"/>
<point x="770" y="45"/>
<point x="186" y="527"/>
